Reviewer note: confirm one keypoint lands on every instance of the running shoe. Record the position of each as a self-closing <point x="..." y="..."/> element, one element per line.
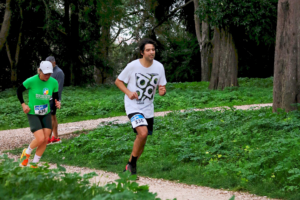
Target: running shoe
<point x="34" y="166"/>
<point x="132" y="170"/>
<point x="25" y="161"/>
<point x="55" y="140"/>
<point x="49" y="141"/>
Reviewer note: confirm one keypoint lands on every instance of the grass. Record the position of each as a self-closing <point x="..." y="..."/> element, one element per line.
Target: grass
<point x="254" y="150"/>
<point x="80" y="103"/>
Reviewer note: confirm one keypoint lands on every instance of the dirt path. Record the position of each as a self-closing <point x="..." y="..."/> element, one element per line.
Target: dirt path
<point x="10" y="139"/>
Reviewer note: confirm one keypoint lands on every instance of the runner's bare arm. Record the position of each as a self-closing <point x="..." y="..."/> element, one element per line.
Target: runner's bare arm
<point x="20" y="91"/>
<point x="162" y="90"/>
<point x="131" y="95"/>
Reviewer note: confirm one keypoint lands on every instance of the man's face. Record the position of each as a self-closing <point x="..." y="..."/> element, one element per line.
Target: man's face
<point x="44" y="77"/>
<point x="149" y="52"/>
<point x="53" y="63"/>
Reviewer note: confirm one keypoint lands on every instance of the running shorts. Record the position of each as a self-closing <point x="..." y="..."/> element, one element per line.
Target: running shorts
<point x="38" y="122"/>
<point x="150" y="122"/>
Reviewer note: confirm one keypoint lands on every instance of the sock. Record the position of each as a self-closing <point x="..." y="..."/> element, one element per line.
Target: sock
<point x="36" y="158"/>
<point x="29" y="150"/>
<point x="133" y="161"/>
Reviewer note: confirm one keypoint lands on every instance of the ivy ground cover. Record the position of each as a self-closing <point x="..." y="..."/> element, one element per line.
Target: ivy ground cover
<point x="24" y="183"/>
<point x="254" y="150"/>
<point x="84" y="103"/>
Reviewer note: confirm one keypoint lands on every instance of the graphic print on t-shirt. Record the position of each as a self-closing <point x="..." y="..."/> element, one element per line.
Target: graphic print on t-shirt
<point x="146" y="85"/>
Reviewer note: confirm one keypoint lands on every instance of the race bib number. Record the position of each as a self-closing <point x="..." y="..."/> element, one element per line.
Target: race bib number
<point x="138" y="120"/>
<point x="41" y="110"/>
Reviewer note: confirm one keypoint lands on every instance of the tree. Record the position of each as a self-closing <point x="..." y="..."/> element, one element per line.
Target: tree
<point x="203" y="37"/>
<point x="13" y="54"/>
<point x="287" y="56"/>
<point x="254" y="16"/>
<point x="6" y="24"/>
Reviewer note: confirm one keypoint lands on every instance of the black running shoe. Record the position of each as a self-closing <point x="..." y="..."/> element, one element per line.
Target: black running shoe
<point x="132" y="170"/>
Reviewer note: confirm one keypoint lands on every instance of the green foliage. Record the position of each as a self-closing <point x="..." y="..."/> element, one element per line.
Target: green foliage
<point x="43" y="183"/>
<point x="257" y="17"/>
<point x="180" y="56"/>
<point x="254" y="150"/>
<point x="80" y="103"/>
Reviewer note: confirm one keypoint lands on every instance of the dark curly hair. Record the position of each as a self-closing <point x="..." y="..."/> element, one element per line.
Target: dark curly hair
<point x="145" y="41"/>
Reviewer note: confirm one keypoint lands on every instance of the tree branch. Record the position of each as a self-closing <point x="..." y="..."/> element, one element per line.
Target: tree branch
<point x="118" y="33"/>
<point x="136" y="12"/>
<point x="8" y="53"/>
<point x="171" y="14"/>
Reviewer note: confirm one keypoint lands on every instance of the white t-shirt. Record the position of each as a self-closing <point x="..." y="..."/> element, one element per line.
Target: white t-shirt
<point x="144" y="82"/>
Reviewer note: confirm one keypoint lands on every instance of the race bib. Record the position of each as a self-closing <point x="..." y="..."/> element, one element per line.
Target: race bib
<point x="41" y="110"/>
<point x="138" y="120"/>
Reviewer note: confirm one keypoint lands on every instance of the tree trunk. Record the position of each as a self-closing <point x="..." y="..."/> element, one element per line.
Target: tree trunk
<point x="225" y="60"/>
<point x="101" y="74"/>
<point x="206" y="53"/>
<point x="68" y="52"/>
<point x="204" y="45"/>
<point x="14" y="61"/>
<point x="286" y="90"/>
<point x="5" y="25"/>
<point x="74" y="68"/>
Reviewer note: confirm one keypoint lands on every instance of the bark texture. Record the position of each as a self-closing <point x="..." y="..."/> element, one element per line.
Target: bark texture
<point x="100" y="73"/>
<point x="286" y="91"/>
<point x="206" y="53"/>
<point x="204" y="45"/>
<point x="14" y="59"/>
<point x="225" y="60"/>
<point x="6" y="24"/>
<point x="74" y="69"/>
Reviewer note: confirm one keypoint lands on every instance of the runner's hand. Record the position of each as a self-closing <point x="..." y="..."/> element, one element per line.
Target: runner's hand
<point x="57" y="104"/>
<point x="133" y="95"/>
<point x="26" y="108"/>
<point x="162" y="90"/>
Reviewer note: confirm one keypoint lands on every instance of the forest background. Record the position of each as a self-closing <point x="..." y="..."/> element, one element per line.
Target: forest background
<point x="93" y="40"/>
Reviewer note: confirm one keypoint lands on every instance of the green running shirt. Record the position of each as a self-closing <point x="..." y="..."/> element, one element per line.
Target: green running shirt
<point x="39" y="94"/>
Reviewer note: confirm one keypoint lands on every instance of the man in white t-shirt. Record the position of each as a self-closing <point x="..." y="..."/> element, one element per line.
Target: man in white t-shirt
<point x="142" y="77"/>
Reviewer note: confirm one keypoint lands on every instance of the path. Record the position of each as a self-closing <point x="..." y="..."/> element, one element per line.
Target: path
<point x="10" y="139"/>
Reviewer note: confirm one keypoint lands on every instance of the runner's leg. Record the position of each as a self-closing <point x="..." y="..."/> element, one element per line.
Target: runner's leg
<point x="142" y="150"/>
<point x="42" y="137"/>
<point x="54" y="126"/>
<point x="140" y="141"/>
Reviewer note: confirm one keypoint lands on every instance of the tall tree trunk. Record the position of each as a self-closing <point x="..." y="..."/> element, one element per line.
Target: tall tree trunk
<point x="68" y="52"/>
<point x="204" y="45"/>
<point x="225" y="60"/>
<point x="14" y="61"/>
<point x="74" y="69"/>
<point x="101" y="74"/>
<point x="6" y="24"/>
<point x="286" y="91"/>
<point x="206" y="53"/>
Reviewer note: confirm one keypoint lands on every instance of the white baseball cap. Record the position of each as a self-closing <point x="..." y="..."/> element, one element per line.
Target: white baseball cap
<point x="46" y="67"/>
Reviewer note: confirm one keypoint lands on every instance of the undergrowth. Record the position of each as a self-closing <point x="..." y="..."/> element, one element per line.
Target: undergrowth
<point x="24" y="183"/>
<point x="107" y="101"/>
<point x="254" y="150"/>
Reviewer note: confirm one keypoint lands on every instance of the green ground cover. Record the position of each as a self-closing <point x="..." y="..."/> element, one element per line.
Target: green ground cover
<point x="24" y="183"/>
<point x="254" y="150"/>
<point x="107" y="101"/>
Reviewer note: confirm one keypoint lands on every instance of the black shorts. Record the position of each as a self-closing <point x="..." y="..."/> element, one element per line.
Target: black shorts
<point x="150" y="122"/>
<point x="38" y="122"/>
<point x="52" y="107"/>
